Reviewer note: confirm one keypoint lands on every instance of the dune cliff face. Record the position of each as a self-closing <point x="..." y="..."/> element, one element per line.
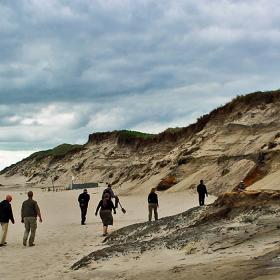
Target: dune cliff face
<point x="239" y="141"/>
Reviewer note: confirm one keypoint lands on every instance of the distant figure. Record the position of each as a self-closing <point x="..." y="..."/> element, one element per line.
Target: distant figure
<point x="6" y="214"/>
<point x="105" y="213"/>
<point x="153" y="204"/>
<point x="111" y="193"/>
<point x="202" y="191"/>
<point x="241" y="187"/>
<point x="29" y="212"/>
<point x="83" y="199"/>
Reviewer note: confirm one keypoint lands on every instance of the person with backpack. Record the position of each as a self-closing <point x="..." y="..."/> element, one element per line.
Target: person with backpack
<point x="153" y="204"/>
<point x="202" y="191"/>
<point x="83" y="199"/>
<point x="106" y="206"/>
<point x="109" y="191"/>
<point x="6" y="214"/>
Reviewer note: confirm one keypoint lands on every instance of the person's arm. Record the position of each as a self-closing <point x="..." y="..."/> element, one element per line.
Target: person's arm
<point x="206" y="191"/>
<point x="156" y="200"/>
<point x="38" y="212"/>
<point x="11" y="215"/>
<point x="149" y="198"/>
<point x="97" y="208"/>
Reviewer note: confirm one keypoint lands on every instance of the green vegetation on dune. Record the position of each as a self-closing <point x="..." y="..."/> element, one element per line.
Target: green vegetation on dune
<point x="136" y="134"/>
<point x="57" y="152"/>
<point x="173" y="129"/>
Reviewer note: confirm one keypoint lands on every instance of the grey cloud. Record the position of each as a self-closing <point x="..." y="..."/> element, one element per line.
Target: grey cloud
<point x="128" y="64"/>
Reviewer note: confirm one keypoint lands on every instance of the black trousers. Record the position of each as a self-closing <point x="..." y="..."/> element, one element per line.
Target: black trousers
<point x="83" y="213"/>
<point x="201" y="197"/>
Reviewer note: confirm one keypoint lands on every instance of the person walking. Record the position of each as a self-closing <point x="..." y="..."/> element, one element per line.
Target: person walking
<point x="153" y="204"/>
<point x="6" y="214"/>
<point x="29" y="212"/>
<point x="106" y="206"/>
<point x="112" y="194"/>
<point x="83" y="199"/>
<point x="202" y="191"/>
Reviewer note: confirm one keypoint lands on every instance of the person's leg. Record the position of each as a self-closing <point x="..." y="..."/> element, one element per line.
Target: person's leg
<point x="150" y="212"/>
<point x="203" y="199"/>
<point x="33" y="226"/>
<point x="83" y="214"/>
<point x="4" y="233"/>
<point x="155" y="212"/>
<point x="200" y="200"/>
<point x="105" y="230"/>
<point x="27" y="230"/>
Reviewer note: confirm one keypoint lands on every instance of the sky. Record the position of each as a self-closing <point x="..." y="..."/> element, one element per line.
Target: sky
<point x="71" y="68"/>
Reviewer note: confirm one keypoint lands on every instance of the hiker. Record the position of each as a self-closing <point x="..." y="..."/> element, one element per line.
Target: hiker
<point x="241" y="187"/>
<point x="106" y="205"/>
<point x="153" y="204"/>
<point x="83" y="199"/>
<point x="111" y="193"/>
<point x="6" y="214"/>
<point x="202" y="191"/>
<point x="29" y="212"/>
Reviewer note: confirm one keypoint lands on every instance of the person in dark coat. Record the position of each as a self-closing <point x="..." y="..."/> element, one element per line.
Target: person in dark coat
<point x="202" y="191"/>
<point x="106" y="206"/>
<point x="153" y="204"/>
<point x="6" y="214"/>
<point x="83" y="199"/>
<point x="111" y="193"/>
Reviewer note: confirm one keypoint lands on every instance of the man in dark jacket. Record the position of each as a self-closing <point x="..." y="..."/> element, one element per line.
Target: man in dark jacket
<point x="153" y="204"/>
<point x="83" y="199"/>
<point x="111" y="193"/>
<point x="202" y="191"/>
<point x="6" y="214"/>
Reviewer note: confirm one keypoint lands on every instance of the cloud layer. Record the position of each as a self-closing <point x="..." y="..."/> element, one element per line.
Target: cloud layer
<point x="69" y="68"/>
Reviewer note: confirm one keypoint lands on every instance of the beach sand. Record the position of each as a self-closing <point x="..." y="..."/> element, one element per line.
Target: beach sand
<point x="61" y="240"/>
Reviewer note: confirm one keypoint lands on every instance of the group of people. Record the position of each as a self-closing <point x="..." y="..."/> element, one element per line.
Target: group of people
<point x="153" y="199"/>
<point x="104" y="207"/>
<point x="29" y="213"/>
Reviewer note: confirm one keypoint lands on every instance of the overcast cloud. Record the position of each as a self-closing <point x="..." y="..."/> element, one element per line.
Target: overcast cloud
<point x="70" y="68"/>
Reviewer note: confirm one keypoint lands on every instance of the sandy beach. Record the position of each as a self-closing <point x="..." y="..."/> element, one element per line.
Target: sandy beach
<point x="61" y="240"/>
